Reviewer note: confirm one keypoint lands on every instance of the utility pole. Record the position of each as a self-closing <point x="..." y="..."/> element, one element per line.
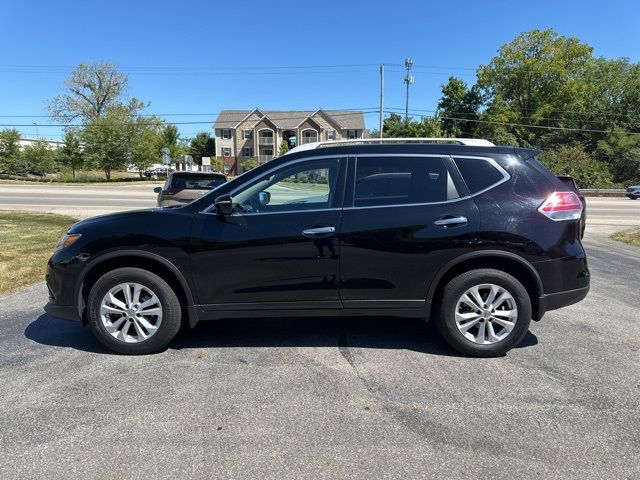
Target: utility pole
<point x="381" y="98"/>
<point x="408" y="80"/>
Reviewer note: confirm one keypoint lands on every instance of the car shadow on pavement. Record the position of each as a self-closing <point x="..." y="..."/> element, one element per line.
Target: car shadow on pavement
<point x="337" y="332"/>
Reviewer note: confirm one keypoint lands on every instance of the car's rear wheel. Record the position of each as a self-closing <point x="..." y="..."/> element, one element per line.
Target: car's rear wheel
<point x="133" y="311"/>
<point x="484" y="312"/>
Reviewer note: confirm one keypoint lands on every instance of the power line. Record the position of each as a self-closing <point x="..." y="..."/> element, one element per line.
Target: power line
<point x="207" y="114"/>
<point x="62" y="125"/>
<point x="558" y="119"/>
<point x="543" y="127"/>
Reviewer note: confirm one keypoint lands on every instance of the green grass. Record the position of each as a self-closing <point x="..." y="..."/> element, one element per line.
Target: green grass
<point x="632" y="237"/>
<point x="27" y="239"/>
<point x="82" y="176"/>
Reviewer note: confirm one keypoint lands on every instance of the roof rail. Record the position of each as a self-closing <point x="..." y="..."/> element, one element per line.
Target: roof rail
<point x="474" y="142"/>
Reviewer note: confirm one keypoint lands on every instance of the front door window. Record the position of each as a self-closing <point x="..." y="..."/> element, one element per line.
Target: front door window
<point x="305" y="186"/>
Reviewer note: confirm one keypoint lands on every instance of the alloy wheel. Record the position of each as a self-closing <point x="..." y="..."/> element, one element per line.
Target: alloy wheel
<point x="131" y="312"/>
<point x="486" y="313"/>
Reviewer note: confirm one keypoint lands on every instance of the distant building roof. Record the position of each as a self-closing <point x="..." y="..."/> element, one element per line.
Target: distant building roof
<point x="290" y="119"/>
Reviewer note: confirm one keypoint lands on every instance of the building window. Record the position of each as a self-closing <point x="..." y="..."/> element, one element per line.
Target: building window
<point x="265" y="137"/>
<point x="246" y="134"/>
<point x="331" y="134"/>
<point x="352" y="134"/>
<point x="309" y="136"/>
<point x="225" y="133"/>
<point x="247" y="151"/>
<point x="226" y="151"/>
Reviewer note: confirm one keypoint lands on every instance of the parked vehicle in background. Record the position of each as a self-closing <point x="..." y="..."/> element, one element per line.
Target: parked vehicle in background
<point x="570" y="182"/>
<point x="633" y="192"/>
<point x="184" y="187"/>
<point x="480" y="239"/>
<point x="158" y="171"/>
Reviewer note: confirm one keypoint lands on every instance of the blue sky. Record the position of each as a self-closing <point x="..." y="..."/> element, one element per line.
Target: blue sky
<point x="198" y="57"/>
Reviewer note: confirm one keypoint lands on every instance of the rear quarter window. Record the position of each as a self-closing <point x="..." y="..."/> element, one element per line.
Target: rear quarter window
<point x="478" y="174"/>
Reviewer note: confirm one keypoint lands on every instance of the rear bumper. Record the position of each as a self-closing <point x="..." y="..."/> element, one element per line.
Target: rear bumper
<point x="553" y="301"/>
<point x="67" y="312"/>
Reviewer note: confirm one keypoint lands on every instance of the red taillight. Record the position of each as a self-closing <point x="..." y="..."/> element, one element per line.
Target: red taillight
<point x="562" y="206"/>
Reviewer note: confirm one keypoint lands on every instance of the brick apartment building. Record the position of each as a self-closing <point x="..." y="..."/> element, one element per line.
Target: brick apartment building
<point x="245" y="134"/>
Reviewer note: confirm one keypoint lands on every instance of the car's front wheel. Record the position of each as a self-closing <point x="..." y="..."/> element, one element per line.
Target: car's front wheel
<point x="133" y="311"/>
<point x="484" y="312"/>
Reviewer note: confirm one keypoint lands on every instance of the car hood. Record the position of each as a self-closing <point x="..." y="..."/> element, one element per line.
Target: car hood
<point x="111" y="219"/>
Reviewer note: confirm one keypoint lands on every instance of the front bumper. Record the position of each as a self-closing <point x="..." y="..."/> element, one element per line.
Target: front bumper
<point x="67" y="312"/>
<point x="61" y="278"/>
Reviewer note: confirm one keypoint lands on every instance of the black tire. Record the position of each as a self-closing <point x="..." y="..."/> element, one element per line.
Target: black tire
<point x="171" y="311"/>
<point x="446" y="323"/>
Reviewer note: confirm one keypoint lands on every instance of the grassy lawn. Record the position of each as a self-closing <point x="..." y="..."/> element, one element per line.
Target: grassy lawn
<point x="632" y="237"/>
<point x="27" y="239"/>
<point x="82" y="177"/>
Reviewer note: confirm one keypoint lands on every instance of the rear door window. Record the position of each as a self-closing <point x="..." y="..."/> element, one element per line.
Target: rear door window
<point x="383" y="181"/>
<point x="479" y="174"/>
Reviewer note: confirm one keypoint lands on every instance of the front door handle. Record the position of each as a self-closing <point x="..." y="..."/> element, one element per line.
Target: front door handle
<point x="317" y="232"/>
<point x="450" y="220"/>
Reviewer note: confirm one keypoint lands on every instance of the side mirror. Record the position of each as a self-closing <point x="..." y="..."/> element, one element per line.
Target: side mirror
<point x="264" y="198"/>
<point x="224" y="205"/>
<point x="157" y="189"/>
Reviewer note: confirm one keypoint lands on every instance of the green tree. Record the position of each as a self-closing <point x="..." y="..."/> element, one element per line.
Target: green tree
<point x="574" y="161"/>
<point x="108" y="139"/>
<point x="39" y="157"/>
<point x="622" y="153"/>
<point x="283" y="148"/>
<point x="171" y="140"/>
<point x="202" y="145"/>
<point x="146" y="143"/>
<point x="538" y="75"/>
<point x="70" y="155"/>
<point x="459" y="101"/>
<point x="395" y="126"/>
<point x="9" y="150"/>
<point x="90" y="90"/>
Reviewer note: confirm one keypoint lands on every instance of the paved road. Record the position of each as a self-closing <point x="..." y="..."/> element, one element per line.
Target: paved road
<point x="77" y="200"/>
<point x="318" y="398"/>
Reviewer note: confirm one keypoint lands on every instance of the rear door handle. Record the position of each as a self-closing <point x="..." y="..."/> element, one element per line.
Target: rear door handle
<point x="317" y="232"/>
<point x="450" y="220"/>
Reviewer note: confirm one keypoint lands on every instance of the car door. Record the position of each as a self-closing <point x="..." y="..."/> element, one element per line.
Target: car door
<point x="405" y="217"/>
<point x="278" y="249"/>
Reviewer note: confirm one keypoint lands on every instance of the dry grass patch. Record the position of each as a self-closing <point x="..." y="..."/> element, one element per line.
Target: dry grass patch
<point x="632" y="237"/>
<point x="27" y="240"/>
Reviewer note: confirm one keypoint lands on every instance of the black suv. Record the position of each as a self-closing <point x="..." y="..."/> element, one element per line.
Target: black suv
<point x="479" y="238"/>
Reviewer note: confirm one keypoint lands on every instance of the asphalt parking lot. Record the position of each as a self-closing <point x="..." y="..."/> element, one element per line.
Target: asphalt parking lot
<point x="334" y="398"/>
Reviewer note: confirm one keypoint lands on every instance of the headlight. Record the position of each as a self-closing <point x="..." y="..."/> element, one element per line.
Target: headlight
<point x="67" y="240"/>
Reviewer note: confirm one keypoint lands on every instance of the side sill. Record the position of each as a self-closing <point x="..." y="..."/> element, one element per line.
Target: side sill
<point x="259" y="306"/>
<point x="207" y="315"/>
<point x="384" y="303"/>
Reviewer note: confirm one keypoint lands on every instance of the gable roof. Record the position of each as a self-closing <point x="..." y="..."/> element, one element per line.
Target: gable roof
<point x="290" y="119"/>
